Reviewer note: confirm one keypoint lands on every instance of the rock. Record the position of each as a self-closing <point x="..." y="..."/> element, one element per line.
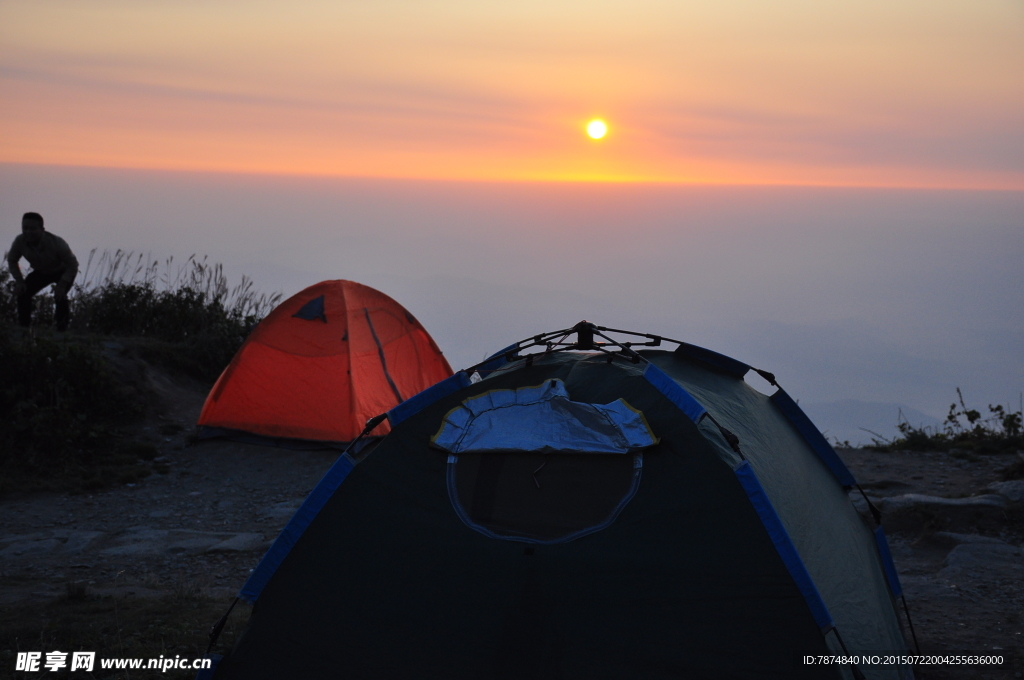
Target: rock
<point x="143" y="540"/>
<point x="62" y="540"/>
<point x="37" y="547"/>
<point x="7" y="539"/>
<point x="80" y="540"/>
<point x="916" y="512"/>
<point x="949" y="539"/>
<point x="1012" y="490"/>
<point x="984" y="554"/>
<point x="138" y="540"/>
<point x="193" y="544"/>
<point x="239" y="543"/>
<point x="984" y="560"/>
<point x="885" y="487"/>
<point x="281" y="510"/>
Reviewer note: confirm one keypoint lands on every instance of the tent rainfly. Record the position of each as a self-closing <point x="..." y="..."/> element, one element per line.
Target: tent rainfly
<point x="319" y="366"/>
<point x="588" y="510"/>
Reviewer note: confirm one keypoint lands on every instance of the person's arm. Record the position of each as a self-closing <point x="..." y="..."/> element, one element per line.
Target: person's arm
<point x="13" y="255"/>
<point x="70" y="262"/>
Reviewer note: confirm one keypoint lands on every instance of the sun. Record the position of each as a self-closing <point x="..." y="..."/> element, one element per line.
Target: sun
<point x="597" y="128"/>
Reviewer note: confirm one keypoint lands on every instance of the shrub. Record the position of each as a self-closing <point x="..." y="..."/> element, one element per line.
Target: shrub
<point x="197" y="322"/>
<point x="964" y="429"/>
<point x="63" y="407"/>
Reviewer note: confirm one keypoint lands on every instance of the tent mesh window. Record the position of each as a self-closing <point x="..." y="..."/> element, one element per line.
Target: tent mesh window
<point x="567" y="474"/>
<point x="541" y="497"/>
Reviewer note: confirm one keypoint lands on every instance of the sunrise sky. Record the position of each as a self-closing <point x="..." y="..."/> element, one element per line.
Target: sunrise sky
<point x="921" y="93"/>
<point x="833" y="191"/>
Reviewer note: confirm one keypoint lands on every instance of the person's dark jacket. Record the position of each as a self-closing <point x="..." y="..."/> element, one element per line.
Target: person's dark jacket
<point x="51" y="255"/>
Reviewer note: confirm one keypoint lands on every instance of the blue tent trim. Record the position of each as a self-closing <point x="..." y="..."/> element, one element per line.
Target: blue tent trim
<point x="314" y="309"/>
<point x="676" y="394"/>
<point x="731" y="366"/>
<point x="432" y="394"/>
<point x="513" y="349"/>
<point x="497" y="360"/>
<point x="289" y="536"/>
<point x="784" y="544"/>
<point x="207" y="673"/>
<point x="891" y="574"/>
<point x="816" y="440"/>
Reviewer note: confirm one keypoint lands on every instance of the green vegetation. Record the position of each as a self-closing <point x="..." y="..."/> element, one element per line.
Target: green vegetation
<point x="964" y="431"/>
<point x="64" y="410"/>
<point x="69" y="399"/>
<point x="190" y="318"/>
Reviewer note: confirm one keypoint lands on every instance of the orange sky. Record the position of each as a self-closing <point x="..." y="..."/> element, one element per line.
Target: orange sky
<point x="794" y="92"/>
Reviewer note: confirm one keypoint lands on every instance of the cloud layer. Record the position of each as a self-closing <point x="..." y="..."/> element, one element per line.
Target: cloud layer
<point x="916" y="94"/>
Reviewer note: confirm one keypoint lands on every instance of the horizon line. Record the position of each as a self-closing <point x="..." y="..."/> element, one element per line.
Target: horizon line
<point x="570" y="180"/>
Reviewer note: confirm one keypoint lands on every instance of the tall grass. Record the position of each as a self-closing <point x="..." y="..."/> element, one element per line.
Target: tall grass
<point x="190" y="304"/>
<point x="131" y="294"/>
<point x="965" y="429"/>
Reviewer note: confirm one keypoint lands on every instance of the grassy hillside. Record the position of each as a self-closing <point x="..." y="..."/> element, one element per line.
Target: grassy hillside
<point x="72" y="397"/>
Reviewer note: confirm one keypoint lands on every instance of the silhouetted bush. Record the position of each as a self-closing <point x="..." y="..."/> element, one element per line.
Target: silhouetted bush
<point x="63" y="408"/>
<point x="196" y="319"/>
<point x="964" y="429"/>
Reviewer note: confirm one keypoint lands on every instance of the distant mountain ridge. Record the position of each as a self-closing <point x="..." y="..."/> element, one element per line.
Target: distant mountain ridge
<point x="848" y="419"/>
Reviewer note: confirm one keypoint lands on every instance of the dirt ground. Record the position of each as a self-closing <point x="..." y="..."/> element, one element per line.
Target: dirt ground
<point x="965" y="589"/>
<point x="208" y="519"/>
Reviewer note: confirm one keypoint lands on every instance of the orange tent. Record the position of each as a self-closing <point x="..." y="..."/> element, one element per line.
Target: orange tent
<point x="320" y="365"/>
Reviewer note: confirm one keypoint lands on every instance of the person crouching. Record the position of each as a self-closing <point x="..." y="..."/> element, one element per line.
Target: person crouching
<point x="52" y="263"/>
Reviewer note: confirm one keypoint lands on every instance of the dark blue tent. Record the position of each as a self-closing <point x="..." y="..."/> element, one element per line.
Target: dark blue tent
<point x="585" y="511"/>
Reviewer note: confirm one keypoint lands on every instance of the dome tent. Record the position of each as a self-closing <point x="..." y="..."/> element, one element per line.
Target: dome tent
<point x="588" y="511"/>
<point x="319" y="366"/>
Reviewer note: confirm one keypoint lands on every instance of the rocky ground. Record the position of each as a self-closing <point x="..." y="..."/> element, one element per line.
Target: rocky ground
<point x="203" y="523"/>
<point x="205" y="520"/>
<point x="956" y="532"/>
